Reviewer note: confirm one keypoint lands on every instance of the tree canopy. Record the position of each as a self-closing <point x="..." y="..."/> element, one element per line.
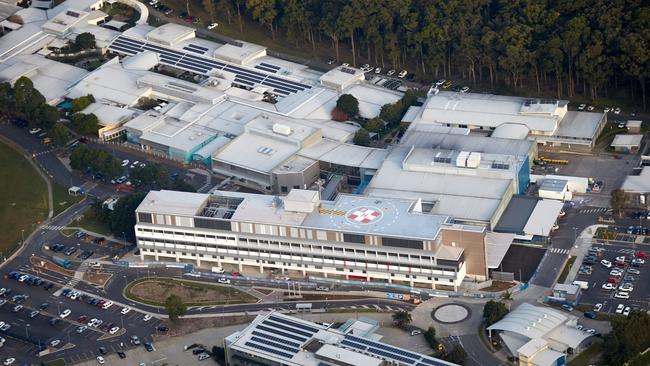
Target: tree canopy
<point x="362" y="137"/>
<point x="560" y="48"/>
<point x="122" y="218"/>
<point x="175" y="307"/>
<point x="629" y="336"/>
<point x="619" y="200"/>
<point x="80" y="103"/>
<point x="493" y="311"/>
<point x="348" y="104"/>
<point x="85" y="41"/>
<point x="85" y="124"/>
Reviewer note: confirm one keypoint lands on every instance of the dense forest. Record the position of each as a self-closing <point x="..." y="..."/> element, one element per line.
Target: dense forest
<point x="565" y="47"/>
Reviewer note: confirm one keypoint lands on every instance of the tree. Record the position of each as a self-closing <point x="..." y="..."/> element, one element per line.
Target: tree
<point x="430" y="337"/>
<point x="457" y="355"/>
<point x="81" y="103"/>
<point x="219" y="355"/>
<point x="402" y="318"/>
<point x="619" y="200"/>
<point x="627" y="338"/>
<point x="183" y="186"/>
<point x="46" y="116"/>
<point x="362" y="137"/>
<point x="60" y="134"/>
<point x="85" y="124"/>
<point x="348" y="104"/>
<point x="175" y="307"/>
<point x="27" y="100"/>
<point x="210" y="7"/>
<point x="375" y="124"/>
<point x="6" y="101"/>
<point x="85" y="41"/>
<point x="493" y="311"/>
<point x="263" y="11"/>
<point x="122" y="219"/>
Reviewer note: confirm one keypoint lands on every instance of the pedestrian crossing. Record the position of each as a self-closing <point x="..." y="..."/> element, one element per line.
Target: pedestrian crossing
<point x="53" y="227"/>
<point x="559" y="251"/>
<point x="593" y="210"/>
<point x="42" y="152"/>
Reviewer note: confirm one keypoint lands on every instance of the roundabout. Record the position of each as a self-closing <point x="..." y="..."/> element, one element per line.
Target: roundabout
<point x="451" y="313"/>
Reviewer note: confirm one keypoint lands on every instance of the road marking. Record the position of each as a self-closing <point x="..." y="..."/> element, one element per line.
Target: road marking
<point x="559" y="250"/>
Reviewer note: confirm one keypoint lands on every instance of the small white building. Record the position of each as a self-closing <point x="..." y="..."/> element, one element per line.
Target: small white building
<point x="340" y="78"/>
<point x="627" y="143"/>
<point x="557" y="189"/>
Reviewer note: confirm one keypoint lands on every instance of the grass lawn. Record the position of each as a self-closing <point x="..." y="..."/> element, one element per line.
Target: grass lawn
<point x="589" y="356"/>
<point x="23" y="198"/>
<point x="155" y="291"/>
<point x="611" y="129"/>
<point x="567" y="268"/>
<point x="92" y="224"/>
<point x="62" y="199"/>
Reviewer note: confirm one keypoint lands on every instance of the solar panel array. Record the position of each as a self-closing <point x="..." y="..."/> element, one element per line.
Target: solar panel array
<point x="203" y="65"/>
<point x="280" y="336"/>
<point x="268" y="67"/>
<point x="389" y="352"/>
<point x="195" y="48"/>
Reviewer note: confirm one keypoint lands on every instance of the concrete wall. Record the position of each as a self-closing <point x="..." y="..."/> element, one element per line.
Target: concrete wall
<point x="475" y="250"/>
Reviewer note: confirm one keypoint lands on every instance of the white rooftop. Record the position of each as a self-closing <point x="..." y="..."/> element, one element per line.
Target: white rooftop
<point x="170" y="34"/>
<point x="543" y="217"/>
<point x="173" y="203"/>
<point x="580" y="125"/>
<point x="625" y="140"/>
<point x="108" y="115"/>
<point x="638" y="183"/>
<point x="239" y="52"/>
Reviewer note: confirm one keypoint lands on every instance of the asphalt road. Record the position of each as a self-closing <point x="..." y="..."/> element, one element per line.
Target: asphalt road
<point x="577" y="219"/>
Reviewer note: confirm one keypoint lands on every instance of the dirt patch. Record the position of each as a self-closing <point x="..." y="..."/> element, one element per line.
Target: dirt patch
<point x="498" y="286"/>
<point x="193" y="293"/>
<point x="98" y="278"/>
<point x="42" y="263"/>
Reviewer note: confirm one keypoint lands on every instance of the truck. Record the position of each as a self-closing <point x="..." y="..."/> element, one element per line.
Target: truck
<point x="65" y="263"/>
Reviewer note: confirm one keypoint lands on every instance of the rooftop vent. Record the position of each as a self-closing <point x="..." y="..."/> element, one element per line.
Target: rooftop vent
<point x="348" y="70"/>
<point x="265" y="150"/>
<point x="281" y="129"/>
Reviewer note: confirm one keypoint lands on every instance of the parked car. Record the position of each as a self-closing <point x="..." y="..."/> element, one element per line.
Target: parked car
<point x="609" y="286"/>
<point x="581" y="107"/>
<point x="606" y="263"/>
<point x="213" y="25"/>
<point x="598" y="307"/>
<point x="402" y="74"/>
<point x="590" y="315"/>
<point x="622" y="295"/>
<point x="567" y="307"/>
<point x="620" y="308"/>
<point x="627" y="311"/>
<point x="633" y="271"/>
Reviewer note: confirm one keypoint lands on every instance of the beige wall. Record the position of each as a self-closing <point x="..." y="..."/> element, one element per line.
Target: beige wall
<point x="474" y="246"/>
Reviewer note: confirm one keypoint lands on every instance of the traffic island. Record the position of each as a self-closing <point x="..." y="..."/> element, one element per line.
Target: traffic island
<point x="451" y="313"/>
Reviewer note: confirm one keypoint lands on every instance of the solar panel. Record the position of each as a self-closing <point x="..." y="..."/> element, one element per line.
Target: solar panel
<point x="129" y="40"/>
<point x="346" y="342"/>
<point x="122" y="50"/>
<point x="244" y="82"/>
<point x="275" y="78"/>
<point x="127" y="46"/>
<point x="269" y="350"/>
<point x="384" y="347"/>
<point x="281" y="91"/>
<point x="265" y="69"/>
<point x="276" y="339"/>
<point x="246" y="77"/>
<point x="193" y="50"/>
<point x="270" y="66"/>
<point x="274" y="344"/>
<point x="390" y="355"/>
<point x="432" y="362"/>
<point x="277" y="85"/>
<point x="281" y="333"/>
<point x="288" y="329"/>
<point x="192" y="45"/>
<point x="293" y="324"/>
<point x="198" y="63"/>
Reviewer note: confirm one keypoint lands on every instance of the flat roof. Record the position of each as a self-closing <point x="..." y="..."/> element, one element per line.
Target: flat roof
<point x="516" y="215"/>
<point x="555" y="185"/>
<point x="169" y="33"/>
<point x="256" y="152"/>
<point x="497" y="245"/>
<point x="113" y="83"/>
<point x="109" y="115"/>
<point x="490" y="110"/>
<point x="345" y="154"/>
<point x="581" y="125"/>
<point x="627" y="140"/>
<point x="241" y="52"/>
<point x="173" y="203"/>
<point x="543" y="217"/>
<point x="637" y="183"/>
<point x="341" y="75"/>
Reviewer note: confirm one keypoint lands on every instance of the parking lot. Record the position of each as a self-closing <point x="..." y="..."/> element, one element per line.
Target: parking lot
<point x="78" y="245"/>
<point x="639" y="277"/>
<point x="27" y="335"/>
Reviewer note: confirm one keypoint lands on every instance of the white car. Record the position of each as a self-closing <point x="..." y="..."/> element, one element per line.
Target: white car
<point x="619" y="309"/>
<point x="616" y="272"/>
<point x="153" y="2"/>
<point x="101" y="360"/>
<point x="627" y="287"/>
<point x="107" y="305"/>
<point x="606" y="263"/>
<point x="135" y="163"/>
<point x="114" y="330"/>
<point x="9" y="361"/>
<point x="81" y="329"/>
<point x="377" y="70"/>
<point x="638" y="261"/>
<point x="23" y="278"/>
<point x="390" y="72"/>
<point x="223" y="280"/>
<point x="91" y="323"/>
<point x="590" y="108"/>
<point x="598" y="307"/>
<point x="125" y="310"/>
<point x="591" y="331"/>
<point x="55" y="343"/>
<point x="581" y="107"/>
<point x="609" y="286"/>
<point x="146" y="318"/>
<point x="617" y="110"/>
<point x="65" y="313"/>
<point x="464" y="89"/>
<point x="345" y="64"/>
<point x="622" y="295"/>
<point x="213" y="25"/>
<point x="620" y="258"/>
<point x="627" y="311"/>
<point x="606" y="110"/>
<point x="402" y="74"/>
<point x="34" y="131"/>
<point x="125" y="162"/>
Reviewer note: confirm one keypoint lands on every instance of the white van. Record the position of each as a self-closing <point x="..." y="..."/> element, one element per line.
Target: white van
<point x="218" y="270"/>
<point x="95" y="264"/>
<point x="582" y="284"/>
<point x="107" y="305"/>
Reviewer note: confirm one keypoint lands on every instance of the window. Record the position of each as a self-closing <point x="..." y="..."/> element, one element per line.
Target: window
<point x="283" y="189"/>
<point x="353" y="238"/>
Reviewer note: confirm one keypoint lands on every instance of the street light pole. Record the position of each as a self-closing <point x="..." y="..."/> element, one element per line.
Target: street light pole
<point x="22" y="236"/>
<point x="27" y="331"/>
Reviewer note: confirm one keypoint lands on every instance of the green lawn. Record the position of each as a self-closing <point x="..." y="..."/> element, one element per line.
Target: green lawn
<point x="23" y="198"/>
<point x="92" y="224"/>
<point x="62" y="199"/>
<point x="217" y="295"/>
<point x="567" y="268"/>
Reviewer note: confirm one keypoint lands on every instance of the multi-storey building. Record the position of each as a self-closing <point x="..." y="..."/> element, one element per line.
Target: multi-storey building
<point x="352" y="237"/>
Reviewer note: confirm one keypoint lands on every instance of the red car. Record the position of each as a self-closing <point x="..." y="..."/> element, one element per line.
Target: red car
<point x="641" y="255"/>
<point x="235" y="274"/>
<point x="100" y="303"/>
<point x="612" y="280"/>
<point x="82" y="319"/>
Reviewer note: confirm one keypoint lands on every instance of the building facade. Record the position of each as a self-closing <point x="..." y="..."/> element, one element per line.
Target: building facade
<point x="352" y="237"/>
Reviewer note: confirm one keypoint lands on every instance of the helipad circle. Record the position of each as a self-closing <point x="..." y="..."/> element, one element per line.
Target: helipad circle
<point x="364" y="215"/>
<point x="450" y="313"/>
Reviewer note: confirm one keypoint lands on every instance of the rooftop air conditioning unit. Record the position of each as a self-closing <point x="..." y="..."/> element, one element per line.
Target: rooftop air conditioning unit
<point x="281" y="129"/>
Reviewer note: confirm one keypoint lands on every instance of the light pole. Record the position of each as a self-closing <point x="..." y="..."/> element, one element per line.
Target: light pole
<point x="575" y="236"/>
<point x="22" y="236"/>
<point x="27" y="330"/>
